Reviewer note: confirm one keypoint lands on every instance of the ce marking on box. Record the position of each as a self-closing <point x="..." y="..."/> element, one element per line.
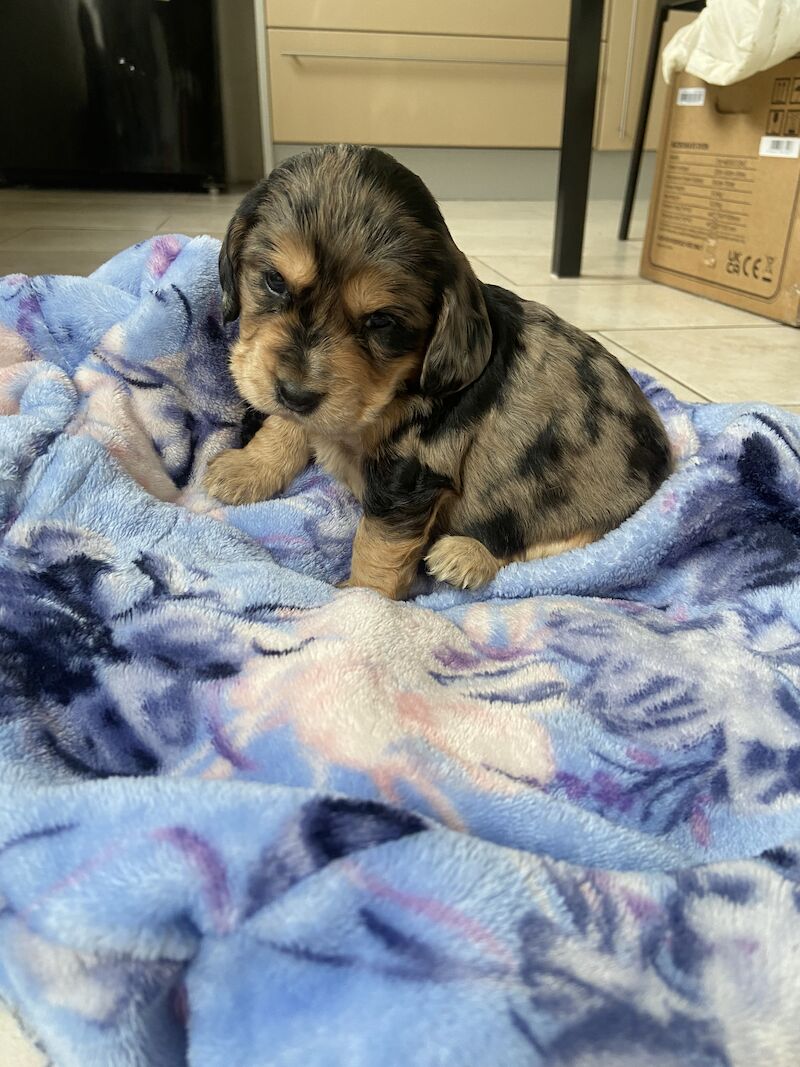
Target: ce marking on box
<point x="759" y="268"/>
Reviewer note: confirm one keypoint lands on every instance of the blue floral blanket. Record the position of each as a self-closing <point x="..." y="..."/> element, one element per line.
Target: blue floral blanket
<point x="247" y="818"/>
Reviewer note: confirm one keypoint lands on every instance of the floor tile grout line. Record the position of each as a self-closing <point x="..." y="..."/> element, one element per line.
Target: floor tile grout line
<point x="86" y="225"/>
<point x="654" y="366"/>
<point x="494" y="270"/>
<point x="689" y="326"/>
<point x="13" y="236"/>
<point x="591" y="280"/>
<point x="671" y="377"/>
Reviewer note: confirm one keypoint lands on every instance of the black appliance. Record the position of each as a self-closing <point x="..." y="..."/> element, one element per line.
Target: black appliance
<point x="110" y="93"/>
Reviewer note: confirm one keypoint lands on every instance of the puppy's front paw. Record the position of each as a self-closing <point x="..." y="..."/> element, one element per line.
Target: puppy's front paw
<point x="235" y="477"/>
<point x="462" y="562"/>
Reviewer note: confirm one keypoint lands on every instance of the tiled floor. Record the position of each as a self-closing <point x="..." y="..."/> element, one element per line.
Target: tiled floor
<point x="701" y="350"/>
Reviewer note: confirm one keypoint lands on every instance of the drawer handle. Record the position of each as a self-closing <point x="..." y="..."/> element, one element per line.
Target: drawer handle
<point x="427" y="59"/>
<point x="622" y="128"/>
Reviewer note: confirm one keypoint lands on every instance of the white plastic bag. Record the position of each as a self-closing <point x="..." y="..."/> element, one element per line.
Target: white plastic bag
<point x="733" y="39"/>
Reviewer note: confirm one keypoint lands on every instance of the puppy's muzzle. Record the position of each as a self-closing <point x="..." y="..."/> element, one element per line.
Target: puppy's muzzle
<point x="296" y="398"/>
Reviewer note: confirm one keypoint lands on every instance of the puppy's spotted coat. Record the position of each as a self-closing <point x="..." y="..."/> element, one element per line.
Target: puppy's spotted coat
<point x="476" y="428"/>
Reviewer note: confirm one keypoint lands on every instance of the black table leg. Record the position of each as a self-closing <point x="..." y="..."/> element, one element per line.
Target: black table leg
<point x="583" y="60"/>
<point x="662" y="10"/>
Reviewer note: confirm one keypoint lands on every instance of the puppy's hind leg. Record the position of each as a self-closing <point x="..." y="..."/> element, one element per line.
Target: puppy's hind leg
<point x="555" y="548"/>
<point x="462" y="562"/>
<point x="264" y="467"/>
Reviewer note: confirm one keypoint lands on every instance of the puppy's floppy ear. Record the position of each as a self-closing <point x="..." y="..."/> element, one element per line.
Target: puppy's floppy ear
<point x="462" y="338"/>
<point x="231" y="251"/>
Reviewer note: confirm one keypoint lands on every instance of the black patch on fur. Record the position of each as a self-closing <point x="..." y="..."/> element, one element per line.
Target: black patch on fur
<point x="305" y="311"/>
<point x="230" y="252"/>
<point x="402" y="491"/>
<point x="398" y="340"/>
<point x="461" y="410"/>
<point x="396" y="181"/>
<point x="544" y="454"/>
<point x="543" y="460"/>
<point x="592" y="386"/>
<point x="305" y="211"/>
<point x="551" y="495"/>
<point x="648" y="457"/>
<point x="292" y="353"/>
<point x="502" y="534"/>
<point x="252" y="421"/>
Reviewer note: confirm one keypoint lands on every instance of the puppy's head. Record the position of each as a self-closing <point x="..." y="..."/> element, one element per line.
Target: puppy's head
<point x="349" y="290"/>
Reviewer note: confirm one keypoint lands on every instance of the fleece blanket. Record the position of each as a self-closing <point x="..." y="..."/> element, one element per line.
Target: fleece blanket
<point x="248" y="818"/>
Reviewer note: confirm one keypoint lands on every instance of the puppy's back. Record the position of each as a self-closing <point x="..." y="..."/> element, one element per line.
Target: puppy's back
<point x="569" y="445"/>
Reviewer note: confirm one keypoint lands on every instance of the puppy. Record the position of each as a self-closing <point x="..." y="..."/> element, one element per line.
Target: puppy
<point x="475" y="428"/>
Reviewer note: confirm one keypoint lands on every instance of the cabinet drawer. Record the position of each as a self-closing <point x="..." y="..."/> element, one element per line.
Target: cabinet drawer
<point x="496" y="18"/>
<point x="626" y="52"/>
<point x="406" y="89"/>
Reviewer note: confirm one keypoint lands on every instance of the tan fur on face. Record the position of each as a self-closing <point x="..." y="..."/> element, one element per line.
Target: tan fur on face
<point x="375" y="289"/>
<point x="382" y="387"/>
<point x="252" y="363"/>
<point x="357" y="393"/>
<point x="357" y="389"/>
<point x="294" y="259"/>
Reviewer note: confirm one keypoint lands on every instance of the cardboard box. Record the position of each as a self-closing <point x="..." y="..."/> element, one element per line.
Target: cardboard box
<point x="725" y="212"/>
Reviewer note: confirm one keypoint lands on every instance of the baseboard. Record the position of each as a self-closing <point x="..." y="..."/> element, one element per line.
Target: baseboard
<point x="506" y="173"/>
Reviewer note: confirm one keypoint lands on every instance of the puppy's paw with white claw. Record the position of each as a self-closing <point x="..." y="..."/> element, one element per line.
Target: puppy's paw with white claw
<point x="235" y="477"/>
<point x="462" y="562"/>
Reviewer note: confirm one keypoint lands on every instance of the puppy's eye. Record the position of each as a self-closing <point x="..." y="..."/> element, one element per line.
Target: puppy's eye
<point x="379" y="320"/>
<point x="275" y="282"/>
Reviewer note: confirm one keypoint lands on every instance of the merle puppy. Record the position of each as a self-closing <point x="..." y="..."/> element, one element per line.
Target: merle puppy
<point x="475" y="427"/>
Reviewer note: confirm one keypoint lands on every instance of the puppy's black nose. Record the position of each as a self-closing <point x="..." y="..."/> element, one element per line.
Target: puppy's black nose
<point x="296" y="398"/>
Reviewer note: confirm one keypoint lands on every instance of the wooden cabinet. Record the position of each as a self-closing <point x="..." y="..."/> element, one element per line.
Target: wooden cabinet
<point x="409" y="89"/>
<point x="447" y="73"/>
<point x="473" y="18"/>
<point x="630" y="24"/>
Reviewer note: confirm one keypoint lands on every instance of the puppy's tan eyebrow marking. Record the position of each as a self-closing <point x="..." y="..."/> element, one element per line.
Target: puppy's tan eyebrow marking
<point x="295" y="261"/>
<point x="371" y="290"/>
<point x="366" y="292"/>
